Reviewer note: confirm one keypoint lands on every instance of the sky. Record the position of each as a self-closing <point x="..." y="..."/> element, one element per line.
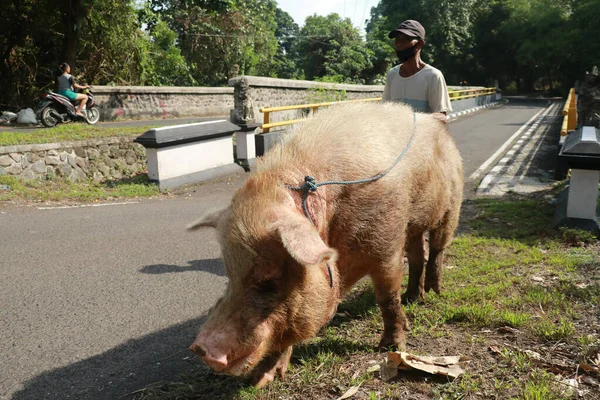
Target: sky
<point x="357" y="10"/>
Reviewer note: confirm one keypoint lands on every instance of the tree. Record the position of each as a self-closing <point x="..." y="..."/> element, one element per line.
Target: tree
<point x="73" y="14"/>
<point x="447" y="25"/>
<point x="163" y="64"/>
<point x="223" y="39"/>
<point x="331" y="47"/>
<point x="283" y="65"/>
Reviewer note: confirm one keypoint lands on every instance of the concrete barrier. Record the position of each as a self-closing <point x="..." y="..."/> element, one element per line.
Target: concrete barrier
<point x="185" y="154"/>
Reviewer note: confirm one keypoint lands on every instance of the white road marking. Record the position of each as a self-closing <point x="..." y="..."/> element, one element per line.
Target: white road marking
<point x="489" y="178"/>
<point x="88" y="205"/>
<point x="484" y="167"/>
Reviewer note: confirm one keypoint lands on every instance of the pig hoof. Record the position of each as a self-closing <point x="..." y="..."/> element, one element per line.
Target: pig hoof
<point x="432" y="285"/>
<point x="270" y="367"/>
<point x="409" y="298"/>
<point x="264" y="380"/>
<point x="389" y="343"/>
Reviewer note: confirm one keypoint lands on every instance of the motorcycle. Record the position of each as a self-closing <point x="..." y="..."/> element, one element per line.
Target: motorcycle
<point x="55" y="108"/>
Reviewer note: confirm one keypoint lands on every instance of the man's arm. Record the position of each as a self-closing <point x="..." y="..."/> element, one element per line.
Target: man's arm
<point x="387" y="94"/>
<point x="439" y="100"/>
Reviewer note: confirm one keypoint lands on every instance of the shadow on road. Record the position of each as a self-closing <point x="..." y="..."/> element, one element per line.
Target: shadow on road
<point x="158" y="357"/>
<point x="213" y="266"/>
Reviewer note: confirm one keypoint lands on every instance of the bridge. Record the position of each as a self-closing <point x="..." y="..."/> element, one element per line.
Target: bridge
<point x="100" y="300"/>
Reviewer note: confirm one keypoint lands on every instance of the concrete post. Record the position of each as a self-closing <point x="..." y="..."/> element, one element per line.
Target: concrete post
<point x="245" y="145"/>
<point x="583" y="194"/>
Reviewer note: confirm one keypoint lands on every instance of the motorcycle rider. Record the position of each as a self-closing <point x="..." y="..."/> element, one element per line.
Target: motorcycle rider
<point x="65" y="84"/>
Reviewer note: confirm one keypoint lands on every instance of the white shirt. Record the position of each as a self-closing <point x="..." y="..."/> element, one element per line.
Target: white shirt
<point x="425" y="91"/>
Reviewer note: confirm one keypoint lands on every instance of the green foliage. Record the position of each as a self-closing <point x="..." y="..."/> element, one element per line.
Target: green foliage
<point x="576" y="236"/>
<point x="330" y="46"/>
<point x="223" y="39"/>
<point x="524" y="45"/>
<point x="163" y="64"/>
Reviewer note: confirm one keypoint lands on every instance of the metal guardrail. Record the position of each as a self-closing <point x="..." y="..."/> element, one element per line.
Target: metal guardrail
<point x="470" y="93"/>
<point x="570" y="114"/>
<point x="267" y="124"/>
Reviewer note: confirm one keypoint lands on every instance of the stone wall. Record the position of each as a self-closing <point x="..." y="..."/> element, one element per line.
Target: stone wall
<point x="253" y="93"/>
<point x="99" y="159"/>
<point x="143" y="102"/>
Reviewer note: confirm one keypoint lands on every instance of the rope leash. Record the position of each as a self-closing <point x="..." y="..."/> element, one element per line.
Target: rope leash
<point x="311" y="185"/>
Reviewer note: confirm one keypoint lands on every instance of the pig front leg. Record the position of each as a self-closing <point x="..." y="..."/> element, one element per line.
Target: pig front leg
<point x="272" y="365"/>
<point x="415" y="252"/>
<point x="388" y="282"/>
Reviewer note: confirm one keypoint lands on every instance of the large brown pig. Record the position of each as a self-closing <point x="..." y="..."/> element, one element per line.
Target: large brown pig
<point x="286" y="275"/>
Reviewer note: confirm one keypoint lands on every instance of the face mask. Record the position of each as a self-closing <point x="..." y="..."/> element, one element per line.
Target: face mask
<point x="406" y="54"/>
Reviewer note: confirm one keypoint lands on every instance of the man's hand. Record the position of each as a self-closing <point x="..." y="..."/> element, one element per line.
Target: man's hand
<point x="441" y="116"/>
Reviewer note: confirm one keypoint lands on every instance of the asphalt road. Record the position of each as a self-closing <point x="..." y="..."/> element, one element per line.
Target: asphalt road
<point x="97" y="302"/>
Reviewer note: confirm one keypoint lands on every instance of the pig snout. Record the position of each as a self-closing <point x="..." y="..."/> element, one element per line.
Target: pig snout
<point x="214" y="359"/>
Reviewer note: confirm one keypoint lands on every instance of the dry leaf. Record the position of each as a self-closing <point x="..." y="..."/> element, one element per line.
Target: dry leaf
<point x="374" y="368"/>
<point x="588" y="368"/>
<point x="349" y="393"/>
<point x="533" y="354"/>
<point x="589" y="380"/>
<point x="446" y="366"/>
<point x="508" y="329"/>
<point x="389" y="370"/>
<point x="570" y="387"/>
<point x="494" y="349"/>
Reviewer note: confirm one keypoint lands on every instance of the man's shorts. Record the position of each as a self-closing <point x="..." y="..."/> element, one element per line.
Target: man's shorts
<point x="69" y="94"/>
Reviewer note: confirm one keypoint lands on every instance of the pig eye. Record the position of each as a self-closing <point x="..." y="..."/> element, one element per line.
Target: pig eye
<point x="267" y="286"/>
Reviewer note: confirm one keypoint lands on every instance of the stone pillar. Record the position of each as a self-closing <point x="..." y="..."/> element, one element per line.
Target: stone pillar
<point x="243" y="111"/>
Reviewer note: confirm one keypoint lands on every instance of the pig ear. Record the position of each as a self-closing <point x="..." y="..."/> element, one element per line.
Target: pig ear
<point x="302" y="240"/>
<point x="210" y="218"/>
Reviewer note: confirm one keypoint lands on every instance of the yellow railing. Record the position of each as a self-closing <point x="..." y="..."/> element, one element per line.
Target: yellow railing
<point x="267" y="124"/>
<point x="470" y="93"/>
<point x="570" y="114"/>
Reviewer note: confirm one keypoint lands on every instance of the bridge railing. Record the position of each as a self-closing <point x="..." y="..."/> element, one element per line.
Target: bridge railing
<point x="570" y="113"/>
<point x="267" y="111"/>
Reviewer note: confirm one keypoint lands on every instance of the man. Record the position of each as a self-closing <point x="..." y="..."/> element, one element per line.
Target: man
<point x="413" y="81"/>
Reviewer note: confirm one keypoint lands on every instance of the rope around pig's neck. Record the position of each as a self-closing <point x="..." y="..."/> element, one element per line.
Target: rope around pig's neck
<point x="311" y="185"/>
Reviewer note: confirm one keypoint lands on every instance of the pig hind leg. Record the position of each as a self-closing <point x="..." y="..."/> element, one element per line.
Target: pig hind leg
<point x="415" y="253"/>
<point x="439" y="240"/>
<point x="388" y="281"/>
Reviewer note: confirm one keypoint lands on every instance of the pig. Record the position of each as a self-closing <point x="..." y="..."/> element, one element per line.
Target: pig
<point x="287" y="271"/>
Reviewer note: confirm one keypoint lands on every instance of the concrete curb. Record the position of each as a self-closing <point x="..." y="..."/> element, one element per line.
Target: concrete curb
<point x="455" y="115"/>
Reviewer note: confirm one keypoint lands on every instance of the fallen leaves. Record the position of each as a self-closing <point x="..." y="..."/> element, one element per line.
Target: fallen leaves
<point x="349" y="393"/>
<point x="452" y="366"/>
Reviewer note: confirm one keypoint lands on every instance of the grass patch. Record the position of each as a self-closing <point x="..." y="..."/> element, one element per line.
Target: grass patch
<point x="515" y="286"/>
<point x="67" y="133"/>
<point x="65" y="190"/>
<point x="554" y="331"/>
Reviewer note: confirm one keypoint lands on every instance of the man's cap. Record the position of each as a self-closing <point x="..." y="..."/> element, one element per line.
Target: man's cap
<point x="410" y="28"/>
